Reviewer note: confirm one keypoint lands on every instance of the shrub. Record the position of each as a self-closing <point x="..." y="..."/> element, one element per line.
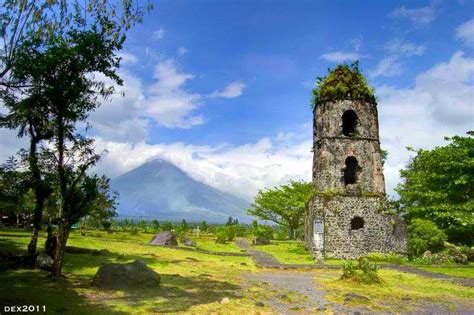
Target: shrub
<point x="221" y="236"/>
<point x="424" y="235"/>
<point x="225" y="233"/>
<point x="343" y="82"/>
<point x="469" y="252"/>
<point x="365" y="272"/>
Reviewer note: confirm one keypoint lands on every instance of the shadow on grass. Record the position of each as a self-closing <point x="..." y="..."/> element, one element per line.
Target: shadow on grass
<point x="175" y="294"/>
<point x="33" y="287"/>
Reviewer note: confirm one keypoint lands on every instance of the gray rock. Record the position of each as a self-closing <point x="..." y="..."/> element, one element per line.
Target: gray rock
<point x="166" y="238"/>
<point x="125" y="276"/>
<point x="188" y="242"/>
<point x="261" y="241"/>
<point x="44" y="262"/>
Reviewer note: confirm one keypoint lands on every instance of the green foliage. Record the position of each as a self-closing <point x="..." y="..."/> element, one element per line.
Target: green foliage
<point x="284" y="205"/>
<point x="438" y="186"/>
<point x="225" y="233"/>
<point x="365" y="272"/>
<point x="383" y="155"/>
<point x="262" y="231"/>
<point x="424" y="235"/>
<point x="343" y="82"/>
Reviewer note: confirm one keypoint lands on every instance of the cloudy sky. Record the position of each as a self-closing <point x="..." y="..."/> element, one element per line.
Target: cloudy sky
<point x="222" y="88"/>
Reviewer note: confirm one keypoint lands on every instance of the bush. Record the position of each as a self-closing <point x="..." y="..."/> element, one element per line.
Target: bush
<point x="365" y="272"/>
<point x="469" y="252"/>
<point x="225" y="233"/>
<point x="424" y="236"/>
<point x="456" y="253"/>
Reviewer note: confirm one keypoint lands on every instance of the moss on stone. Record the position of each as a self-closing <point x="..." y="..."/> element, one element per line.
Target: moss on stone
<point x="345" y="82"/>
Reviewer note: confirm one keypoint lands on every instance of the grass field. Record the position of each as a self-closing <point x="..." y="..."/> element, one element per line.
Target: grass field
<point x="196" y="283"/>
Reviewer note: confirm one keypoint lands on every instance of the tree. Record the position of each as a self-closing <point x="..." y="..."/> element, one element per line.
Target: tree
<point x="284" y="205"/>
<point x="103" y="208"/>
<point x="438" y="186"/>
<point x="15" y="193"/>
<point x="43" y="21"/>
<point x="50" y="49"/>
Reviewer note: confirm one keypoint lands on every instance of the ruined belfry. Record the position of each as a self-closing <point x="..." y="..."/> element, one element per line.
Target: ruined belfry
<point x="349" y="215"/>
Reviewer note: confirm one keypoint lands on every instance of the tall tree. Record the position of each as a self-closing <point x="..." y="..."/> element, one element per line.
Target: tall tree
<point x="284" y="205"/>
<point x="438" y="186"/>
<point x="56" y="69"/>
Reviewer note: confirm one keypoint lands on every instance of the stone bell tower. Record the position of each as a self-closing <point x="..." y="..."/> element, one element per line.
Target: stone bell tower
<point x="349" y="215"/>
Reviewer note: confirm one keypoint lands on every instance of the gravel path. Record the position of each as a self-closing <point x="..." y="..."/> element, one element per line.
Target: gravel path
<point x="303" y="284"/>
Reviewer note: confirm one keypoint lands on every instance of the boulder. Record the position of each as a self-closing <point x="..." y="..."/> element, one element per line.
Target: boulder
<point x="261" y="241"/>
<point x="166" y="238"/>
<point x="44" y="262"/>
<point x="124" y="276"/>
<point x="188" y="242"/>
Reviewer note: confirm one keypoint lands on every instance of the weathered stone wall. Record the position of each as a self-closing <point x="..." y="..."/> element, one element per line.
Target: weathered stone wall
<point x="332" y="147"/>
<point x="328" y="229"/>
<point x="382" y="232"/>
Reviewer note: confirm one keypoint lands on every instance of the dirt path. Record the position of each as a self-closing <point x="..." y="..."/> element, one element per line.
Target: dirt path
<point x="297" y="292"/>
<point x="266" y="260"/>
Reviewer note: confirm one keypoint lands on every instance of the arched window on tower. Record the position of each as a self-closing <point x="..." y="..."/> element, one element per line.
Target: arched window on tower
<point x="349" y="122"/>
<point x="350" y="172"/>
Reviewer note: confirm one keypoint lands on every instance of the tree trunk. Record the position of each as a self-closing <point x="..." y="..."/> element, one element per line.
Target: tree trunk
<point x="292" y="233"/>
<point x="63" y="234"/>
<point x="40" y="195"/>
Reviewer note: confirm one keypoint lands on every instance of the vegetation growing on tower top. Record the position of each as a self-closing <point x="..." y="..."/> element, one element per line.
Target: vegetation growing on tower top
<point x="343" y="82"/>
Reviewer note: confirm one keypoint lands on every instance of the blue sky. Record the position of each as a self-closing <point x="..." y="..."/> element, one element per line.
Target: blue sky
<point x="222" y="88"/>
<point x="275" y="49"/>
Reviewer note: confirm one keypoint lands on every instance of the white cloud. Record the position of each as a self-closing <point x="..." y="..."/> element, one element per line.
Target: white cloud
<point x="232" y="90"/>
<point x="392" y="65"/>
<point x="127" y="58"/>
<point x="341" y="56"/>
<point x="158" y="34"/>
<point x="168" y="103"/>
<point x="240" y="170"/>
<point x="440" y="104"/>
<point x="182" y="51"/>
<point x="120" y="118"/>
<point x="465" y="32"/>
<point x="405" y="48"/>
<point x="388" y="67"/>
<point x="419" y="16"/>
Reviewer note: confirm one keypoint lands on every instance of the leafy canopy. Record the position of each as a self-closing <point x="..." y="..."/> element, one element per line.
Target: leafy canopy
<point x="341" y="83"/>
<point x="284" y="205"/>
<point x="438" y="186"/>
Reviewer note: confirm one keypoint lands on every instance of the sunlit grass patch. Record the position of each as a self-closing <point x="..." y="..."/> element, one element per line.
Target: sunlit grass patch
<point x="399" y="291"/>
<point x="463" y="272"/>
<point x="287" y="252"/>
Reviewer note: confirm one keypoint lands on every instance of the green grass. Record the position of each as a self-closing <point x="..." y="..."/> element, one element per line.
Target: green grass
<point x="287" y="252"/>
<point x="463" y="272"/>
<point x="399" y="292"/>
<point x="195" y="282"/>
<point x="191" y="282"/>
<point x="208" y="243"/>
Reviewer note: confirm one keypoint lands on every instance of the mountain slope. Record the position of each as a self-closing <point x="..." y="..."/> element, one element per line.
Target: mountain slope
<point x="160" y="190"/>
